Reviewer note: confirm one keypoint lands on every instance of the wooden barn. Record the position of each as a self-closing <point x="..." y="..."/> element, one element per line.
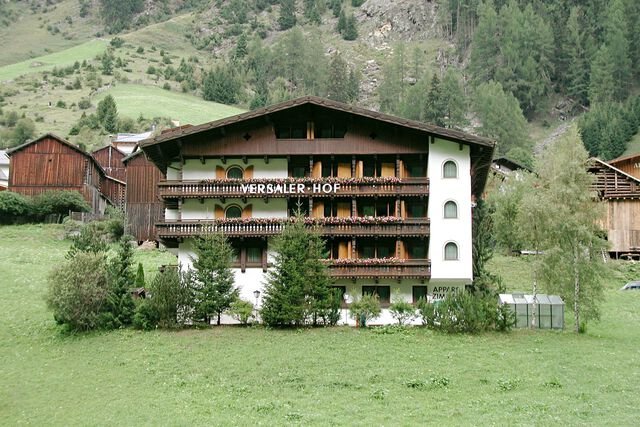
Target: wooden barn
<point x="628" y="164"/>
<point x="620" y="192"/>
<point x="51" y="163"/>
<point x="143" y="205"/>
<point x="110" y="158"/>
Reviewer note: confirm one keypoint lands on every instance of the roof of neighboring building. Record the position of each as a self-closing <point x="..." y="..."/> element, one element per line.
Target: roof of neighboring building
<point x="623" y="158"/>
<point x="61" y="140"/>
<point x="631" y="177"/>
<point x="3" y="176"/>
<point x="4" y="159"/>
<point x="131" y="137"/>
<point x="107" y="147"/>
<point x="511" y="164"/>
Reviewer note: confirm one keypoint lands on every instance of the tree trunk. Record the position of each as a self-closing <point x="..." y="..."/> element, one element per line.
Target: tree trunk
<point x="218" y="319"/>
<point x="576" y="290"/>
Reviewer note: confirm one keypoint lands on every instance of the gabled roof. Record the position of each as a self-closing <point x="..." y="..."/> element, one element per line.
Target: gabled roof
<point x="132" y="138"/>
<point x="61" y="140"/>
<point x="113" y="147"/>
<point x="603" y="163"/>
<point x="612" y="183"/>
<point x="322" y="102"/>
<point x="47" y="135"/>
<point x="511" y="164"/>
<point x="135" y="153"/>
<point x="624" y="158"/>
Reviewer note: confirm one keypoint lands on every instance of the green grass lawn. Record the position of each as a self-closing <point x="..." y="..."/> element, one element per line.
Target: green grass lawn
<point x="87" y="50"/>
<point x="150" y="101"/>
<point x="340" y="376"/>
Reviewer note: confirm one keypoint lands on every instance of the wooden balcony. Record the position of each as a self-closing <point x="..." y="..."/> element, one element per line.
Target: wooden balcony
<point x="410" y="227"/>
<point x="235" y="189"/>
<point x="407" y="269"/>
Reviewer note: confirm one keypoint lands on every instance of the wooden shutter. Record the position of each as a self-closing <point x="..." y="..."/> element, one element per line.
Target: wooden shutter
<point x="344" y="210"/>
<point x="318" y="209"/>
<point x="402" y="170"/>
<point x="403" y="209"/>
<point x="220" y="174"/>
<point x="400" y="249"/>
<point x="359" y="169"/>
<point x="219" y="212"/>
<point x="247" y="211"/>
<point x="344" y="170"/>
<point x="388" y="169"/>
<point x="343" y="249"/>
<point x="316" y="172"/>
<point x="248" y="172"/>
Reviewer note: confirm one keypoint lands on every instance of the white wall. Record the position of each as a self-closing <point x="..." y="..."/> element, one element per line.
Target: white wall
<point x="195" y="170"/>
<point x="450" y="230"/>
<point x="193" y="209"/>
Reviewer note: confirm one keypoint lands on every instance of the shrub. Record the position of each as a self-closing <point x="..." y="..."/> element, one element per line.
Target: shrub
<point x="166" y="298"/>
<point x="116" y="42"/>
<point x="59" y="203"/>
<point x="88" y="240"/>
<point x="119" y="308"/>
<point x="365" y="309"/>
<point x="426" y="312"/>
<point x="13" y="206"/>
<point x="114" y="225"/>
<point x="404" y="312"/>
<point x="241" y="310"/>
<point x="61" y="104"/>
<point x="463" y="312"/>
<point x="166" y="86"/>
<point x="78" y="291"/>
<point x="84" y="104"/>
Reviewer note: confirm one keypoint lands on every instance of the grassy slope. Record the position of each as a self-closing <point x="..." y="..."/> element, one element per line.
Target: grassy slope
<point x="87" y="50"/>
<point x="28" y="36"/>
<point x="133" y="100"/>
<point x="634" y="145"/>
<point x="233" y="376"/>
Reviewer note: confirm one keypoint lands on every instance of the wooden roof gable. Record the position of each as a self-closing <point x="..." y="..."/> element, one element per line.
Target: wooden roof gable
<point x="612" y="183"/>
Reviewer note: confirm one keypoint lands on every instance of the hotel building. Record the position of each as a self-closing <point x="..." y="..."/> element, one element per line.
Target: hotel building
<point x="393" y="198"/>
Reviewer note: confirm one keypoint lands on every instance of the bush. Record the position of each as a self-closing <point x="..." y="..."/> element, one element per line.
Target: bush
<point x="114" y="225"/>
<point x="365" y="309"/>
<point x="59" y="203"/>
<point x="166" y="298"/>
<point x="116" y="42"/>
<point x="13" y="206"/>
<point x="464" y="312"/>
<point x="89" y="240"/>
<point x="404" y="312"/>
<point x="84" y="104"/>
<point x="241" y="310"/>
<point x="78" y="291"/>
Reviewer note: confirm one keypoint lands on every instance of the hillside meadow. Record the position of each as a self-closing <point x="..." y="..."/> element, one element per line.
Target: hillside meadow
<point x="339" y="376"/>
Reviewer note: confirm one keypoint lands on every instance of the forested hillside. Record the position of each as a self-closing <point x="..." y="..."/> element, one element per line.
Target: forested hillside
<point x="511" y="70"/>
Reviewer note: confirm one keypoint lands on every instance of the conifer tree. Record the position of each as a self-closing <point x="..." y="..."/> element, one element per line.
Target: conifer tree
<point x="120" y="306"/>
<point x="221" y="85"/>
<point x="602" y="86"/>
<point x="297" y="286"/>
<point x="211" y="279"/>
<point x="140" y="283"/>
<point x="337" y="84"/>
<point x="578" y="56"/>
<point x="434" y="109"/>
<point x="618" y="47"/>
<point x="453" y="100"/>
<point x="287" y="18"/>
<point x="353" y="85"/>
<point x="342" y="22"/>
<point x="107" y="113"/>
<point x="241" y="47"/>
<point x="351" y="28"/>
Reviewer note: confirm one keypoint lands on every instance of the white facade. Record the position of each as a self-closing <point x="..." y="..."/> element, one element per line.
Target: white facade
<point x="4" y="169"/>
<point x="446" y="275"/>
<point x="445" y="272"/>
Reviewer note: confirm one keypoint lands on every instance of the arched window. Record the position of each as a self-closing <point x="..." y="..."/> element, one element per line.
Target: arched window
<point x="233" y="212"/>
<point x="450" y="209"/>
<point x="450" y="251"/>
<point x="235" y="172"/>
<point x="449" y="169"/>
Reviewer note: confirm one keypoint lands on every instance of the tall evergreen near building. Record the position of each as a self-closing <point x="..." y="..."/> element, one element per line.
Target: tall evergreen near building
<point x="107" y="113"/>
<point x="120" y="306"/>
<point x="337" y="84"/>
<point x="578" y="54"/>
<point x="618" y="46"/>
<point x="297" y="288"/>
<point x="434" y="108"/>
<point x="211" y="279"/>
<point x="453" y="100"/>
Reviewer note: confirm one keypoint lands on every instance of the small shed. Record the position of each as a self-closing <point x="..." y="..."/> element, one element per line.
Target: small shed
<point x="549" y="310"/>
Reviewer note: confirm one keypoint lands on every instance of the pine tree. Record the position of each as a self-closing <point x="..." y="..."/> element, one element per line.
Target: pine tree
<point x="342" y="22"/>
<point x="107" y="64"/>
<point x="453" y="100"/>
<point x="120" y="306"/>
<point x="336" y="7"/>
<point x="602" y="86"/>
<point x="337" y="84"/>
<point x="297" y="286"/>
<point x="577" y="52"/>
<point x="220" y="85"/>
<point x="485" y="47"/>
<point x="287" y="18"/>
<point x="210" y="278"/>
<point x="434" y="108"/>
<point x="107" y="113"/>
<point x="140" y="283"/>
<point x="618" y="47"/>
<point x="392" y="90"/>
<point x="351" y="29"/>
<point x="241" y="47"/>
<point x="353" y="85"/>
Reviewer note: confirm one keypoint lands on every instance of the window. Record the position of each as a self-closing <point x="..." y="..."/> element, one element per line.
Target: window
<point x="419" y="292"/>
<point x="416" y="209"/>
<point x="449" y="169"/>
<point x="450" y="210"/>
<point x="254" y="255"/>
<point x="383" y="293"/>
<point x="233" y="212"/>
<point x="450" y="251"/>
<point x="235" y="172"/>
<point x="417" y="250"/>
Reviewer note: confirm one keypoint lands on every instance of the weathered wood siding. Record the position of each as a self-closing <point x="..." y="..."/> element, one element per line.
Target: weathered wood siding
<point x="110" y="159"/>
<point x="630" y="165"/>
<point x="623" y="224"/>
<point x="143" y="205"/>
<point x="50" y="165"/>
<point x="115" y="191"/>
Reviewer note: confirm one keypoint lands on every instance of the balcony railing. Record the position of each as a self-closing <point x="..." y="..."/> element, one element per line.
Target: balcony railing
<point x="409" y="227"/>
<point x="363" y="269"/>
<point x="286" y="187"/>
